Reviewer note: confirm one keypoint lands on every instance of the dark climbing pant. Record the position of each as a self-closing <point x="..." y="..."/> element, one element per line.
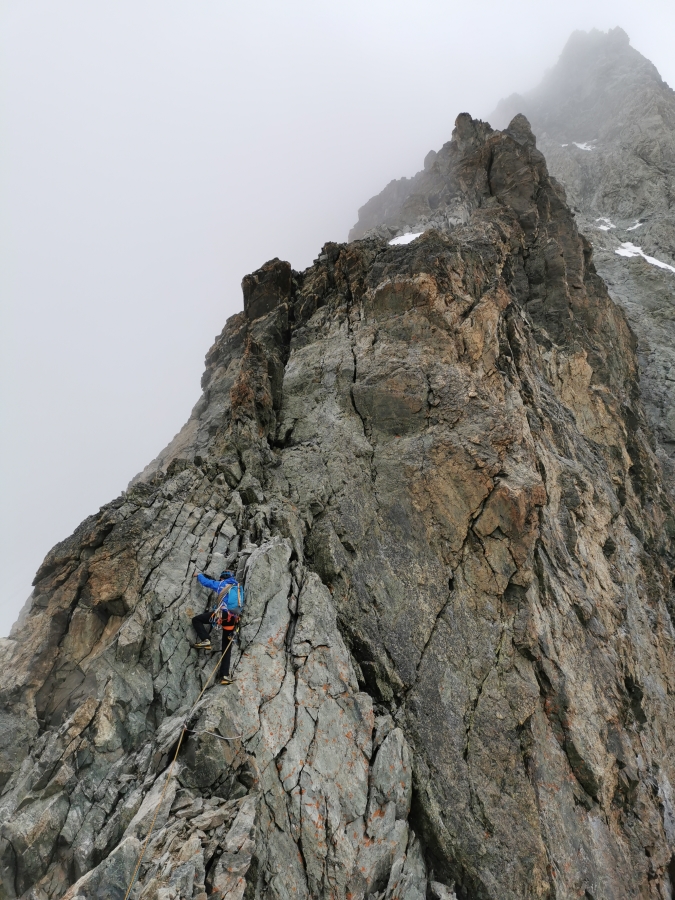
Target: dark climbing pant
<point x="199" y="624"/>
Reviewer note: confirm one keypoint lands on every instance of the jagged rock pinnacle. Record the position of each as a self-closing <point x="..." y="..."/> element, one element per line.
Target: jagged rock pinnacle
<point x="429" y="463"/>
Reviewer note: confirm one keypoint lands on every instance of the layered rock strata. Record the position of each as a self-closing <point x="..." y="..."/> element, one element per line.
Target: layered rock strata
<point x="431" y="467"/>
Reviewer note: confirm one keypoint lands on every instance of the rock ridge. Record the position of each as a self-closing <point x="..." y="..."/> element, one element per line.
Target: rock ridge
<point x="431" y="467"/>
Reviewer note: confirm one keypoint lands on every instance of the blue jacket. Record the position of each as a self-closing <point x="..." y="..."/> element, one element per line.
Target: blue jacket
<point x="220" y="587"/>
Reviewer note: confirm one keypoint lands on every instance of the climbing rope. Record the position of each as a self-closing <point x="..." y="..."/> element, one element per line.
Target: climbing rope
<point x="235" y="737"/>
<point x="184" y="730"/>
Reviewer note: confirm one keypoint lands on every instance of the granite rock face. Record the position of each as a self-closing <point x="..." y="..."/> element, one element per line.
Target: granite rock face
<point x="431" y="467"/>
<point x="605" y="121"/>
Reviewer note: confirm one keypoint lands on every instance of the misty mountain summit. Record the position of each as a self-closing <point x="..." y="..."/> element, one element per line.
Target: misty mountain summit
<point x="605" y="121"/>
<point x="596" y="88"/>
<point x="437" y="464"/>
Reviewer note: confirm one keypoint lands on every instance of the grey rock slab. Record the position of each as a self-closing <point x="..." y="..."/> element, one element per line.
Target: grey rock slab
<point x="33" y="834"/>
<point x="281" y="861"/>
<point x="267" y="578"/>
<point x="296" y="750"/>
<point x="377" y="856"/>
<point x="391" y="776"/>
<point x="408" y="878"/>
<point x="277" y="718"/>
<point x="242" y="826"/>
<point x="156" y="805"/>
<point x="112" y="878"/>
<point x="338" y="759"/>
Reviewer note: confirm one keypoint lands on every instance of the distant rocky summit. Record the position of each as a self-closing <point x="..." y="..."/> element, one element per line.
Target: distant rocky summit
<point x="605" y="121"/>
<point x="428" y="460"/>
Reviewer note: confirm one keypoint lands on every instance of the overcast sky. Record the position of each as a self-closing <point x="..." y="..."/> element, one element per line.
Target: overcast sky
<point x="154" y="152"/>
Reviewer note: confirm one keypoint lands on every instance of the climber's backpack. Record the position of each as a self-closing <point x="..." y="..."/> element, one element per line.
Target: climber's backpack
<point x="231" y="603"/>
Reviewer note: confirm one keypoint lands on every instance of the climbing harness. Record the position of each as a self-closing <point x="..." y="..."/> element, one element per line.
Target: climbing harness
<point x="184" y="730"/>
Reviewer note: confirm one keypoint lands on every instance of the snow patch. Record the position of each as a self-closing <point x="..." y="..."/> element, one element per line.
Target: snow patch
<point x="633" y="227"/>
<point x="406" y="238"/>
<point x="630" y="250"/>
<point x="606" y="224"/>
<point x="585" y="145"/>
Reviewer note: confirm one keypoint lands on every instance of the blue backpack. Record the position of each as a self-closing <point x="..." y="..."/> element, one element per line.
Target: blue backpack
<point x="232" y="600"/>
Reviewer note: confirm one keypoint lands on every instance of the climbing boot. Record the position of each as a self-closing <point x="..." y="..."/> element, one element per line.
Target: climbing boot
<point x="203" y="645"/>
<point x="226" y="680"/>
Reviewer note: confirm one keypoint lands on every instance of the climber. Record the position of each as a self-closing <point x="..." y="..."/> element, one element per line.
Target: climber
<point x="226" y="613"/>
